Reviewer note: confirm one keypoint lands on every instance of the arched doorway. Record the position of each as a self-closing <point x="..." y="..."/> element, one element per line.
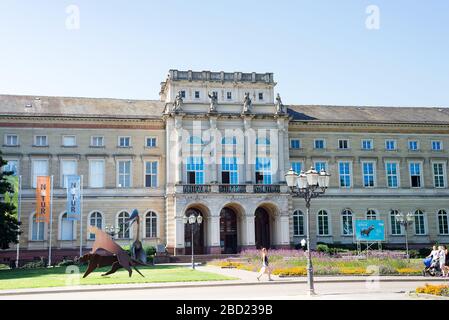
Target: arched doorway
<point x="198" y="234"/>
<point x="262" y="228"/>
<point x="228" y="231"/>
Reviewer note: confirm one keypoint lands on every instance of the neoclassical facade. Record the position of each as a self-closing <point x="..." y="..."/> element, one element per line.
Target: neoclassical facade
<point x="218" y="144"/>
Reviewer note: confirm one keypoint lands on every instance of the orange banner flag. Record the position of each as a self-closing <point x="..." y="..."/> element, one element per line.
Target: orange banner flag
<point x="43" y="191"/>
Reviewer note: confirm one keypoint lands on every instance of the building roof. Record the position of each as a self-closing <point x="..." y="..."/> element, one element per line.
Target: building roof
<point x="80" y="107"/>
<point x="369" y="114"/>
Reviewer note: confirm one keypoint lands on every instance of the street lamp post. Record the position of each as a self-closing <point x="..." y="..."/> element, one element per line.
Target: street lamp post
<point x="308" y="185"/>
<point x="193" y="220"/>
<point x="112" y="231"/>
<point x="405" y="220"/>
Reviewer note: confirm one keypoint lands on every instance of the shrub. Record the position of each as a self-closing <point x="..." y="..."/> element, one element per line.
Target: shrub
<point x="290" y="272"/>
<point x="322" y="248"/>
<point x="409" y="271"/>
<point x="354" y="270"/>
<point x="65" y="263"/>
<point x="34" y="264"/>
<point x="424" y="252"/>
<point x="439" y="290"/>
<point x="413" y="254"/>
<point x="4" y="267"/>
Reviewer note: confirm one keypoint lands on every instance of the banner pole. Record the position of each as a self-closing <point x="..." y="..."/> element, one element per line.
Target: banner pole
<point x="19" y="209"/>
<point x="81" y="217"/>
<point x="51" y="221"/>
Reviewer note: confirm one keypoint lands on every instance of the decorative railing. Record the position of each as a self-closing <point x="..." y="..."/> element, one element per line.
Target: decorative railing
<point x="267" y="188"/>
<point x="196" y="188"/>
<point x="232" y="188"/>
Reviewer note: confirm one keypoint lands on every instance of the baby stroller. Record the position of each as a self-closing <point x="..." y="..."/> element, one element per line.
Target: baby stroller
<point x="432" y="267"/>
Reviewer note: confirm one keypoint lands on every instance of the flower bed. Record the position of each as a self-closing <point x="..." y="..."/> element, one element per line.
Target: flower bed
<point x="438" y="290"/>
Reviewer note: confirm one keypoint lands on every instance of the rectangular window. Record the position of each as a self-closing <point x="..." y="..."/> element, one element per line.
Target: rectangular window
<point x="195" y="170"/>
<point x="390" y="145"/>
<point x="96" y="173"/>
<point x="124" y="142"/>
<point x="68" y="167"/>
<point x="260" y="96"/>
<point x="97" y="141"/>
<point x="295" y="144"/>
<point x="413" y="145"/>
<point x="391" y="169"/>
<point x="367" y="144"/>
<point x="323" y="224"/>
<point x="343" y="144"/>
<point x="11" y="166"/>
<point x="420" y="225"/>
<point x="437" y="145"/>
<point x="151" y="142"/>
<point x="345" y="174"/>
<point x="69" y="141"/>
<point x="229" y="95"/>
<point x="320" y="165"/>
<point x="11" y="140"/>
<point x="395" y="226"/>
<point x="183" y="94"/>
<point x="40" y="141"/>
<point x="298" y="223"/>
<point x="297" y="167"/>
<point x="368" y="174"/>
<point x="319" y="144"/>
<point x="40" y="168"/>
<point x="124" y="174"/>
<point x="439" y="175"/>
<point x="229" y="170"/>
<point x="263" y="171"/>
<point x="197" y="94"/>
<point x="151" y="174"/>
<point x="415" y="174"/>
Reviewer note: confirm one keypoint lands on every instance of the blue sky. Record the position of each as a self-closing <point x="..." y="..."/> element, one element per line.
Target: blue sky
<point x="320" y="51"/>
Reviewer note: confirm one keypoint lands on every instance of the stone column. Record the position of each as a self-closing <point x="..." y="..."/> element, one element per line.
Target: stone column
<point x="179" y="236"/>
<point x="178" y="150"/>
<point x="249" y="240"/>
<point x="249" y="150"/>
<point x="213" y="238"/>
<point x="282" y="231"/>
<point x="213" y="151"/>
<point x="281" y="148"/>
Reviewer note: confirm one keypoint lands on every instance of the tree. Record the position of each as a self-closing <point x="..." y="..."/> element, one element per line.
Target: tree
<point x="9" y="225"/>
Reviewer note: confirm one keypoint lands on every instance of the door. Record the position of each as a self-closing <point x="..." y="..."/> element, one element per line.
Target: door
<point x="228" y="231"/>
<point x="198" y="235"/>
<point x="262" y="229"/>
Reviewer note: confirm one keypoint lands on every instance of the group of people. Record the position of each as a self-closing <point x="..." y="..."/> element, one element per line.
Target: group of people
<point x="439" y="255"/>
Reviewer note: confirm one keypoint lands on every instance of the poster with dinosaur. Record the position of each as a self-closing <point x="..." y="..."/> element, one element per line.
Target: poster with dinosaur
<point x="370" y="230"/>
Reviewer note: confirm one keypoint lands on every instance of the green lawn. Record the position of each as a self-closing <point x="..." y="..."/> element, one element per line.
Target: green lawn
<point x="57" y="277"/>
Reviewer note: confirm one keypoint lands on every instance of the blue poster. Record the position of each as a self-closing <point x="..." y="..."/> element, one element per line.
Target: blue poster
<point x="73" y="197"/>
<point x="370" y="230"/>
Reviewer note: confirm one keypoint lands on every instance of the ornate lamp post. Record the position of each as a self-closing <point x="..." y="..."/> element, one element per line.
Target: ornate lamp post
<point x="405" y="220"/>
<point x="308" y="185"/>
<point x="193" y="220"/>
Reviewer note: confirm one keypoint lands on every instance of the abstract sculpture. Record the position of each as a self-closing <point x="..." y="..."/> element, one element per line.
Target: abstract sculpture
<point x="137" y="250"/>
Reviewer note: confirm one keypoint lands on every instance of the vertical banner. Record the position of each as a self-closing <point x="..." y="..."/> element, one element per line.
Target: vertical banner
<point x="13" y="198"/>
<point x="43" y="192"/>
<point x="73" y="197"/>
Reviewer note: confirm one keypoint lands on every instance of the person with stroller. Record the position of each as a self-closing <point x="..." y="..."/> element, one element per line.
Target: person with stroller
<point x="433" y="254"/>
<point x="431" y="262"/>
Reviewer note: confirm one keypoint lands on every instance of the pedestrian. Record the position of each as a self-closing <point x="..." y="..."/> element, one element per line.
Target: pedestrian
<point x="442" y="259"/>
<point x="434" y="253"/>
<point x="265" y="267"/>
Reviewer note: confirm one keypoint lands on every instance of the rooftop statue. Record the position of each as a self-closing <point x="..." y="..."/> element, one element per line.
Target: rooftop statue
<point x="177" y="105"/>
<point x="213" y="102"/>
<point x="279" y="106"/>
<point x="247" y="103"/>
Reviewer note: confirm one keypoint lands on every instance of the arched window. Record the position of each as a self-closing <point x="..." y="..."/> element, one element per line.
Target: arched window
<point x="196" y="140"/>
<point x="229" y="141"/>
<point x="67" y="227"/>
<point x="443" y="228"/>
<point x="346" y="222"/>
<point x="298" y="223"/>
<point x="123" y="225"/>
<point x="263" y="141"/>
<point x="323" y="223"/>
<point x="420" y="225"/>
<point x="371" y="215"/>
<point x="151" y="225"/>
<point x="37" y="229"/>
<point x="95" y="220"/>
<point x="395" y="226"/>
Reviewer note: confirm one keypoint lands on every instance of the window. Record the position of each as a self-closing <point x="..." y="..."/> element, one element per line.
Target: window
<point x="151" y="174"/>
<point x="297" y="167"/>
<point x="415" y="174"/>
<point x="183" y="94"/>
<point x="195" y="140"/>
<point x="229" y="141"/>
<point x="260" y="95"/>
<point x="345" y="174"/>
<point x="320" y="165"/>
<point x="263" y="171"/>
<point x="319" y="144"/>
<point x="229" y="171"/>
<point x="124" y="142"/>
<point x="263" y="141"/>
<point x="229" y="95"/>
<point x="40" y="141"/>
<point x="151" y="225"/>
<point x="95" y="220"/>
<point x="37" y="229"/>
<point x="96" y="141"/>
<point x="123" y="225"/>
<point x="11" y="140"/>
<point x="390" y="145"/>
<point x="295" y="144"/>
<point x="392" y="174"/>
<point x="195" y="170"/>
<point x="367" y="144"/>
<point x="368" y="174"/>
<point x="420" y="226"/>
<point x="298" y="223"/>
<point x="371" y="215"/>
<point x="96" y="173"/>
<point x="40" y="168"/>
<point x="395" y="226"/>
<point x="151" y="142"/>
<point x="323" y="223"/>
<point x="413" y="145"/>
<point x="197" y="94"/>
<point x="346" y="222"/>
<point x="69" y="141"/>
<point x="443" y="228"/>
<point x="67" y="226"/>
<point x="437" y="145"/>
<point x="124" y="174"/>
<point x="439" y="180"/>
<point x="343" y="144"/>
<point x="11" y="166"/>
<point x="68" y="167"/>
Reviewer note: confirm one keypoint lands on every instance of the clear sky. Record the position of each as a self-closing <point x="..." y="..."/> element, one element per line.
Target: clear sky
<point x="321" y="52"/>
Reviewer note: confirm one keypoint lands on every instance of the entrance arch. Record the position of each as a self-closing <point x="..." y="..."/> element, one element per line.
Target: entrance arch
<point x="228" y="231"/>
<point x="198" y="234"/>
<point x="262" y="228"/>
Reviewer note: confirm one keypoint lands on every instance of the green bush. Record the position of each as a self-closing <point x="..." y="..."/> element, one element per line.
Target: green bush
<point x="424" y="252"/>
<point x="322" y="248"/>
<point x="4" y="267"/>
<point x="34" y="264"/>
<point x="414" y="254"/>
<point x="65" y="263"/>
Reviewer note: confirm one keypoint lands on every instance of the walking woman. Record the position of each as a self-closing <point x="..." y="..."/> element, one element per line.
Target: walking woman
<point x="265" y="267"/>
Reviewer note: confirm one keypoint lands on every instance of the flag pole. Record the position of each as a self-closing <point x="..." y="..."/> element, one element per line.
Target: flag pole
<point x="51" y="221"/>
<point x="19" y="209"/>
<point x="81" y="217"/>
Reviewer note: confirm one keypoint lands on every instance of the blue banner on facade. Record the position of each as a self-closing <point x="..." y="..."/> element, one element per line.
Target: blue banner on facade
<point x="369" y="230"/>
<point x="73" y="197"/>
